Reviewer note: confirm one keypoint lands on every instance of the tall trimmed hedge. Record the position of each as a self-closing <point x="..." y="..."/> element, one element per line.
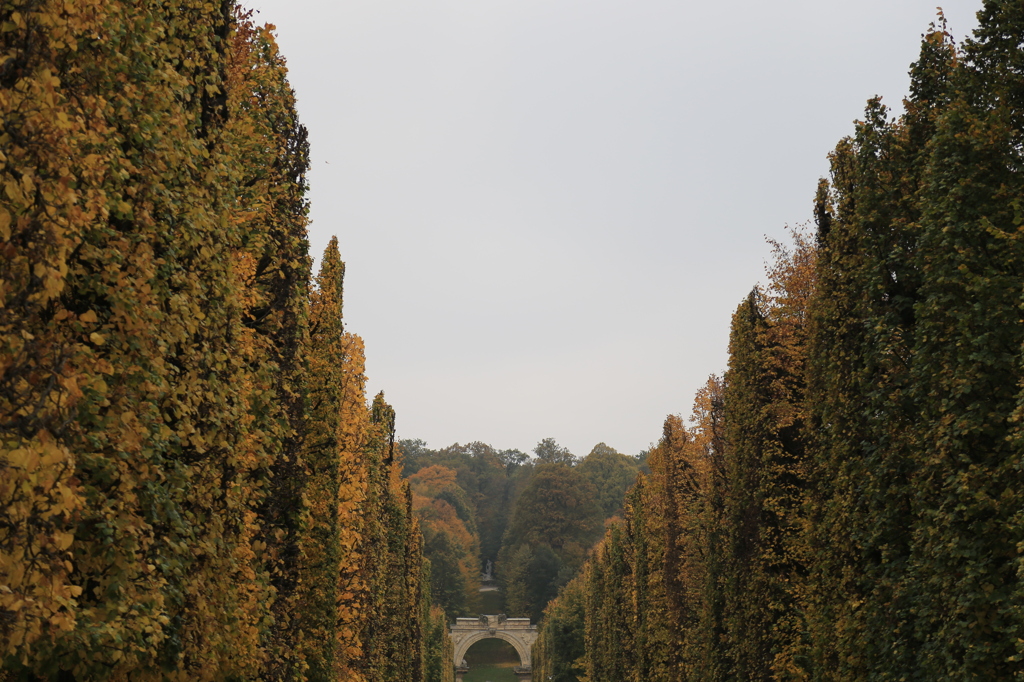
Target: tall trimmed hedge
<point x="188" y="465"/>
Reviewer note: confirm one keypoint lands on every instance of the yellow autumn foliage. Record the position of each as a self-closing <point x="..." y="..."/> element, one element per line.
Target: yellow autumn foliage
<point x="179" y="497"/>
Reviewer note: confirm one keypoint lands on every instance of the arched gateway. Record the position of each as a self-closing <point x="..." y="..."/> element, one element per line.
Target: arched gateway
<point x="516" y="631"/>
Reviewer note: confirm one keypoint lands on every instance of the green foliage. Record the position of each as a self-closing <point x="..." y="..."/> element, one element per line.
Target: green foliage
<point x="438" y="646"/>
<point x="966" y="368"/>
<point x="614" y="619"/>
<point x="611" y="473"/>
<point x="849" y="507"/>
<point x="558" y="653"/>
<point x="550" y="452"/>
<point x="914" y="378"/>
<point x="608" y="632"/>
<point x="557" y="508"/>
<point x="530" y="576"/>
<point x="703" y="580"/>
<point x="554" y="524"/>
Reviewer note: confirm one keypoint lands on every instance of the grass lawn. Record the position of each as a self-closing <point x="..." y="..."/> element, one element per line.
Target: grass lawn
<point x="489" y="674"/>
<point x="491" y="660"/>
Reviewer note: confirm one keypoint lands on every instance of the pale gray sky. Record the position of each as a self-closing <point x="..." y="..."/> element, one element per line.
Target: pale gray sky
<point x="549" y="209"/>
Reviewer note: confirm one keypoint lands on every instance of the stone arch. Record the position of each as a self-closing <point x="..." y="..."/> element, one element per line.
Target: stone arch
<point x="522" y="648"/>
<point x="518" y="632"/>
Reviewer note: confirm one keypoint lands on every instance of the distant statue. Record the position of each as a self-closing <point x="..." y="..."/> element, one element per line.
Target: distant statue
<point x="488" y="568"/>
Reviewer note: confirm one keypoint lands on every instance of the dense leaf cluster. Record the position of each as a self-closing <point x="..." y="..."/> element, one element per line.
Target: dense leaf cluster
<point x="846" y="503"/>
<point x="192" y="486"/>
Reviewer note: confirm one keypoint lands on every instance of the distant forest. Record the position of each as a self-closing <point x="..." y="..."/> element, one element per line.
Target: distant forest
<point x="194" y="484"/>
<point x="534" y="519"/>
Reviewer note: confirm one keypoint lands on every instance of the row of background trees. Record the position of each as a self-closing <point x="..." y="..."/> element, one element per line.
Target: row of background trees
<point x="192" y="484"/>
<point x="534" y="518"/>
<point x="845" y="504"/>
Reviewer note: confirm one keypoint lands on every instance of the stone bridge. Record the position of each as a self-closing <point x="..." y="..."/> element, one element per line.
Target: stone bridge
<point x="516" y="631"/>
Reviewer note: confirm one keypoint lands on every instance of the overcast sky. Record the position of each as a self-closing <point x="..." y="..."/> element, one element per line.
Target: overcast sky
<point x="549" y="209"/>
